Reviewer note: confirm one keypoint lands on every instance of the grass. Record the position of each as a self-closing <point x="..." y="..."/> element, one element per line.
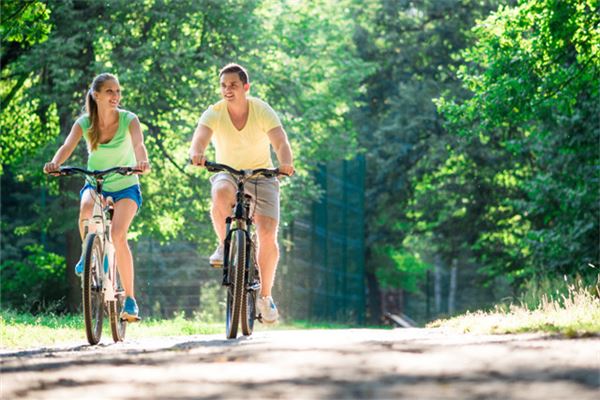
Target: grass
<point x="573" y="314"/>
<point x="21" y="330"/>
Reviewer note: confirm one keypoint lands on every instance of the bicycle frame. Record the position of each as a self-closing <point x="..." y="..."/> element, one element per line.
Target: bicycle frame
<point x="241" y="221"/>
<point x="102" y="221"/>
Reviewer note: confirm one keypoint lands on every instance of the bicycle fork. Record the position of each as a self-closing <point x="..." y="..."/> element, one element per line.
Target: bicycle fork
<point x="250" y="254"/>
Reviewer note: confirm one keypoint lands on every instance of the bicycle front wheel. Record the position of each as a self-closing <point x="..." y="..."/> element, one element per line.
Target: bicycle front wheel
<point x="93" y="296"/>
<point x="235" y="290"/>
<point x="249" y="297"/>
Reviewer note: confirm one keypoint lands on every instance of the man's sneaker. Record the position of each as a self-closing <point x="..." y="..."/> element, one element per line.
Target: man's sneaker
<point x="216" y="260"/>
<point x="267" y="309"/>
<point x="79" y="267"/>
<point x="130" y="310"/>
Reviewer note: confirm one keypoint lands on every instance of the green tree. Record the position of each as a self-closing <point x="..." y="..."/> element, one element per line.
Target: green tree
<point x="534" y="75"/>
<point x="400" y="129"/>
<point x="167" y="55"/>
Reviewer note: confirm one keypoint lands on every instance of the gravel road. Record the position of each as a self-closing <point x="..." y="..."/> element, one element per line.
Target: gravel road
<point x="311" y="364"/>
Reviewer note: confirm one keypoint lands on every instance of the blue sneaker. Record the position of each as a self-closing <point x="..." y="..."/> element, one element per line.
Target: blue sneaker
<point x="130" y="310"/>
<point x="79" y="267"/>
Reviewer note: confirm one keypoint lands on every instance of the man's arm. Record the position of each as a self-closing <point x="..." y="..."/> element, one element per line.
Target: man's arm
<point x="199" y="144"/>
<point x="282" y="148"/>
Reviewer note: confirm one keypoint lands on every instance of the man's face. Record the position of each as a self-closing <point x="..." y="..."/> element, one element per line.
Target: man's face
<point x="232" y="87"/>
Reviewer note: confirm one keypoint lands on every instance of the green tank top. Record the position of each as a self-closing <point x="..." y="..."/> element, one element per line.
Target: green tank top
<point x="116" y="153"/>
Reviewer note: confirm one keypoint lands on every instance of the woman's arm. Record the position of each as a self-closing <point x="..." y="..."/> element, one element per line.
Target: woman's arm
<point x="139" y="148"/>
<point x="65" y="151"/>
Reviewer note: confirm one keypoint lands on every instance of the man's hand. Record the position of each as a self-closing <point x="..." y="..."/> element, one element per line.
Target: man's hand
<point x="51" y="168"/>
<point x="286" y="169"/>
<point x="197" y="159"/>
<point x="143" y="166"/>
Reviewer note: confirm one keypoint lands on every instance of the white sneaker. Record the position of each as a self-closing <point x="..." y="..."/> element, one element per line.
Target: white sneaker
<point x="216" y="260"/>
<point x="267" y="309"/>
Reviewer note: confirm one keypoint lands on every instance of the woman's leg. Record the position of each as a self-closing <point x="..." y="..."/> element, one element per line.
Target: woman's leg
<point x="125" y="210"/>
<point x="86" y="208"/>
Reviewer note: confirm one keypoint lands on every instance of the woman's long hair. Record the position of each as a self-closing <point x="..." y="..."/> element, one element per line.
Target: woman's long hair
<point x="91" y="107"/>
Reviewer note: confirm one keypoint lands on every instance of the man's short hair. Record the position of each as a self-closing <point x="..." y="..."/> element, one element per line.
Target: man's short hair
<point x="232" y="67"/>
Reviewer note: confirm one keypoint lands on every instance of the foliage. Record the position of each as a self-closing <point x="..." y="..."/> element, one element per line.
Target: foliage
<point x="167" y="56"/>
<point x="399" y="267"/>
<point x="530" y="132"/>
<point x="401" y="130"/>
<point x="34" y="284"/>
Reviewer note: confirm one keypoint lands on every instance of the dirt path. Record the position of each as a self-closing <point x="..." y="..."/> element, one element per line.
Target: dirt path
<point x="315" y="364"/>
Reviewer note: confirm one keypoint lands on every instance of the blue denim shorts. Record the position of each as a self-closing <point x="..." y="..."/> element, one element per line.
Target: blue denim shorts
<point x="132" y="192"/>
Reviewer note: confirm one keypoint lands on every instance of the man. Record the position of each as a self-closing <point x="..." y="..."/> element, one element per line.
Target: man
<point x="242" y="129"/>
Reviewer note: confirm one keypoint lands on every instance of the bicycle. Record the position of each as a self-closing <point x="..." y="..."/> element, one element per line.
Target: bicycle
<point x="240" y="267"/>
<point x="101" y="286"/>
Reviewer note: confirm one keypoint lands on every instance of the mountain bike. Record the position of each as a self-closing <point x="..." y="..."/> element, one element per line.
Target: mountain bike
<point x="102" y="291"/>
<point x="240" y="267"/>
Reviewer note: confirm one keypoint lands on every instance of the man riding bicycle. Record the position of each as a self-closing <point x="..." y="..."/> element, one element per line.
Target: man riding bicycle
<point x="242" y="129"/>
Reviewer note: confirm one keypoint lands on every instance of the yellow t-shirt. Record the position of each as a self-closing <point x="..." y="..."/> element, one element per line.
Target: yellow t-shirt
<point x="248" y="148"/>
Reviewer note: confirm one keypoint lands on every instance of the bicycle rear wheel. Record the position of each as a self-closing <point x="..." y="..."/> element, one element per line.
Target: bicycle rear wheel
<point x="249" y="297"/>
<point x="235" y="290"/>
<point x="118" y="326"/>
<point x="93" y="297"/>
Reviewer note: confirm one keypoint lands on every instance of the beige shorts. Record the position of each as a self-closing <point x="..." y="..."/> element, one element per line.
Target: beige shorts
<point x="264" y="193"/>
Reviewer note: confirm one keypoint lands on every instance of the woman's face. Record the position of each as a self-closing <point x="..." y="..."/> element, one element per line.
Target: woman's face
<point x="109" y="95"/>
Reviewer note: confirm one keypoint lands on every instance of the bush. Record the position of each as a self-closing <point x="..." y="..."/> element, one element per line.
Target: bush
<point x="34" y="284"/>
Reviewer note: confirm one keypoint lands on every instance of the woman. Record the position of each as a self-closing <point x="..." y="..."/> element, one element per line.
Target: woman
<point x="114" y="138"/>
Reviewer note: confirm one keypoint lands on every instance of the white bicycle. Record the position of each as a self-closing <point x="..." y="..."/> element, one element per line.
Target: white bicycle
<point x="103" y="293"/>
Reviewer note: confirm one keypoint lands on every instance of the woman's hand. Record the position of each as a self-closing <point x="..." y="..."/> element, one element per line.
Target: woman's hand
<point x="51" y="167"/>
<point x="143" y="166"/>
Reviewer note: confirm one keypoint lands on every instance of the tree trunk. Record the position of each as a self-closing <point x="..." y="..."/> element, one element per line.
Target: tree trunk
<point x="437" y="284"/>
<point x="452" y="291"/>
<point x="72" y="256"/>
<point x="374" y="312"/>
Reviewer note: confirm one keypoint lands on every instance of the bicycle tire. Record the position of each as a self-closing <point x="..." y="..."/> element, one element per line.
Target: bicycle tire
<point x="93" y="297"/>
<point x="118" y="326"/>
<point x="249" y="298"/>
<point x="235" y="292"/>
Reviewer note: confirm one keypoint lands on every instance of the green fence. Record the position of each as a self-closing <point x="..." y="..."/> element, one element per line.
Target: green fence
<point x="321" y="273"/>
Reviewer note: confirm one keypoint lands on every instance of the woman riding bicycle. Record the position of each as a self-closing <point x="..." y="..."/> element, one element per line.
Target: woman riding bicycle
<point x="114" y="138"/>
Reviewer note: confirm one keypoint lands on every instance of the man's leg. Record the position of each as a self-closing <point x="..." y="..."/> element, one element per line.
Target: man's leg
<point x="268" y="251"/>
<point x="223" y="198"/>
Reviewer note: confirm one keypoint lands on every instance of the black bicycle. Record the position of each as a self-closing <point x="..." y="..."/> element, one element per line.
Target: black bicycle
<point x="101" y="284"/>
<point x="240" y="267"/>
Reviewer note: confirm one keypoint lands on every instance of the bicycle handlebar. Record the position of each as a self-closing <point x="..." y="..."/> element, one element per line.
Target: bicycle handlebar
<point x="67" y="171"/>
<point x="267" y="172"/>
